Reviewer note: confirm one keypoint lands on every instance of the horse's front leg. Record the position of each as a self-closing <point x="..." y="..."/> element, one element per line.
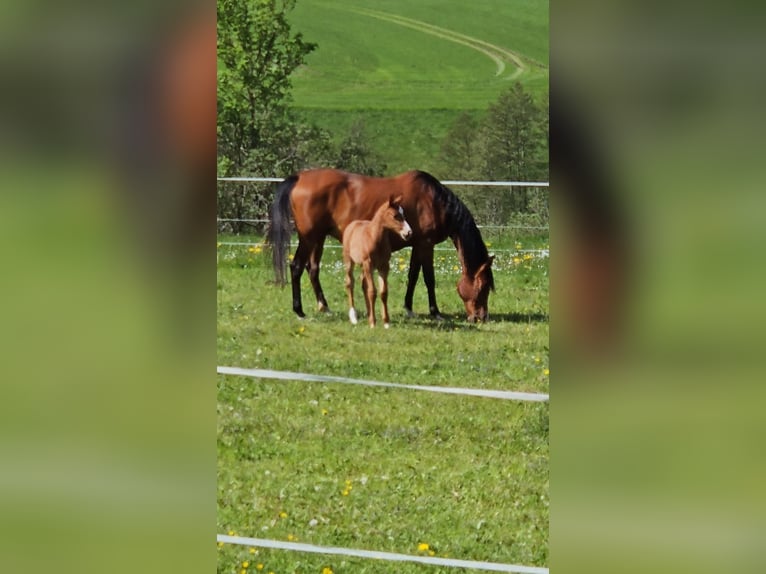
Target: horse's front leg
<point x="427" y="260"/>
<point x="313" y="266"/>
<point x="412" y="280"/>
<point x="383" y="287"/>
<point x="350" y="290"/>
<point x="368" y="284"/>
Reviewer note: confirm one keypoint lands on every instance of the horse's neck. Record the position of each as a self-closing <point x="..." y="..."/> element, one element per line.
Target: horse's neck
<point x="460" y="253"/>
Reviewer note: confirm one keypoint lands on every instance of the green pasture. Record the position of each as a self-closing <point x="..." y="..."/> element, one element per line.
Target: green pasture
<point x="408" y="69"/>
<point x="384" y="469"/>
<point x="429" y="54"/>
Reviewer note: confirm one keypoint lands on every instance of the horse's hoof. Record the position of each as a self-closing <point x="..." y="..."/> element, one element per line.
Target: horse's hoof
<point x="409" y="314"/>
<point x="323" y="309"/>
<point x="386" y="325"/>
<point x="437" y="317"/>
<point x="300" y="313"/>
<point x="352" y="316"/>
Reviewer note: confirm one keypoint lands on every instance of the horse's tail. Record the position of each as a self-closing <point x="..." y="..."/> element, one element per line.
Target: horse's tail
<point x="278" y="235"/>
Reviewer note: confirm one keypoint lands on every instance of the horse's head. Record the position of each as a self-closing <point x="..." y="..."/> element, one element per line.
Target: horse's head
<point x="474" y="291"/>
<point x="394" y="218"/>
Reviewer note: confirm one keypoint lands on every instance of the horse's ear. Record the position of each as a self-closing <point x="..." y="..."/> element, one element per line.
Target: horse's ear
<point x="484" y="266"/>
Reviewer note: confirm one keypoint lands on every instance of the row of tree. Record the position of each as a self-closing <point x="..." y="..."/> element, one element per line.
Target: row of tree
<point x="508" y="143"/>
<point x="259" y="132"/>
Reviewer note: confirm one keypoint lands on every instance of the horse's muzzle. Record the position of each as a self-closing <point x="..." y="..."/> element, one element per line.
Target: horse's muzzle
<point x="406" y="232"/>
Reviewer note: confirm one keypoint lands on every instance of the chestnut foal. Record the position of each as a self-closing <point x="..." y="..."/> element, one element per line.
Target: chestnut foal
<point x="366" y="243"/>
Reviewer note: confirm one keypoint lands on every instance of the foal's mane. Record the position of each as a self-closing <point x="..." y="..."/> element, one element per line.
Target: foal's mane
<point x="460" y="224"/>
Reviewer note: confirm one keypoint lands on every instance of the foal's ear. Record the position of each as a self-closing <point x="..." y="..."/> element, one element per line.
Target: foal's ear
<point x="395" y="201"/>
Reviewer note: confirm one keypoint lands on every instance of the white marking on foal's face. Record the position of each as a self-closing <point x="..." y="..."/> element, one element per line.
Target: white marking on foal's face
<point x="406" y="230"/>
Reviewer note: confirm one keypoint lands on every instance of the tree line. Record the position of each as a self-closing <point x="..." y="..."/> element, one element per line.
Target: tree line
<point x="259" y="132"/>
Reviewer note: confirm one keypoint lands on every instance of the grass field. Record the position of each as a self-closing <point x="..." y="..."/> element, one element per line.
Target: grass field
<point x="383" y="469"/>
<point x="408" y="69"/>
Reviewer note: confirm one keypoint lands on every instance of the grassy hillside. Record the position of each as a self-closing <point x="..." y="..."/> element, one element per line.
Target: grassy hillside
<point x="409" y="68"/>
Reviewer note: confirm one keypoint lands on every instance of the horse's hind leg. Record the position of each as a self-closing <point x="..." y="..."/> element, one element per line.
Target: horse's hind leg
<point x="313" y="267"/>
<point x="412" y="280"/>
<point x="296" y="270"/>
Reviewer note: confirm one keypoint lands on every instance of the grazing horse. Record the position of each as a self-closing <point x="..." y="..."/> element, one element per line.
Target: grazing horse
<point x="324" y="201"/>
<point x="367" y="243"/>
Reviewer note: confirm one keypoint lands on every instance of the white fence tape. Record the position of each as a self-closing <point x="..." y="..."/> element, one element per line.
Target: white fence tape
<point x="391" y="556"/>
<point x="290" y="376"/>
<point x="446" y="182"/>
<point x="541" y="252"/>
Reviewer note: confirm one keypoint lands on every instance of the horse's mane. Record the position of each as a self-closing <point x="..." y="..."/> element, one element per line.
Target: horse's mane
<point x="460" y="223"/>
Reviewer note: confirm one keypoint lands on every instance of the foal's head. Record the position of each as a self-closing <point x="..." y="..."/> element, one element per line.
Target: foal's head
<point x="474" y="289"/>
<point x="391" y="216"/>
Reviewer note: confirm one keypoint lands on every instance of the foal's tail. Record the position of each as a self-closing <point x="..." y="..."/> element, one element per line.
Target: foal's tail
<point x="278" y="235"/>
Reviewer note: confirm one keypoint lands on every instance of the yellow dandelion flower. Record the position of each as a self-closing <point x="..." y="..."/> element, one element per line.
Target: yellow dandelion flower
<point x="516" y="260"/>
<point x="423" y="547"/>
<point x="231" y="533"/>
<point x="431" y="552"/>
<point x="488" y="244"/>
<point x="243" y="572"/>
<point x="290" y="257"/>
<point x="348" y="481"/>
<point x="245" y="564"/>
<point x="283" y="514"/>
<point x="402" y="267"/>
<point x="345" y="492"/>
<point x="302" y="329"/>
<point x="291" y="538"/>
<point x="537" y="359"/>
<point x="220" y="544"/>
<point x="546" y="372"/>
<point x="253" y="551"/>
<point x="259" y="566"/>
<point x="327" y="570"/>
<point x="455" y="268"/>
<point x="518" y="245"/>
<point x="325" y="411"/>
<point x="251" y="249"/>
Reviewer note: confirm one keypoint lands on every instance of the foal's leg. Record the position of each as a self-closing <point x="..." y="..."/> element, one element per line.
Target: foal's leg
<point x="296" y="270"/>
<point x="383" y="287"/>
<point x="369" y="292"/>
<point x="349" y="263"/>
<point x="427" y="260"/>
<point x="412" y="280"/>
<point x="313" y="267"/>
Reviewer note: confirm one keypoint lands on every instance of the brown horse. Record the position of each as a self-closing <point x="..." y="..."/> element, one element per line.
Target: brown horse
<point x="367" y="243"/>
<point x="324" y="201"/>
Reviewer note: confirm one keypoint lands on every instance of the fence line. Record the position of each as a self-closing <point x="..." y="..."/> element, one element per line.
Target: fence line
<point x="390" y="556"/>
<point x="446" y="182"/>
<point x="334" y="246"/>
<point x="543" y="227"/>
<point x="290" y="376"/>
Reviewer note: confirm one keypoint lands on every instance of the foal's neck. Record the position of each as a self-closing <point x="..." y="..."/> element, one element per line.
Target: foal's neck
<point x="377" y="230"/>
